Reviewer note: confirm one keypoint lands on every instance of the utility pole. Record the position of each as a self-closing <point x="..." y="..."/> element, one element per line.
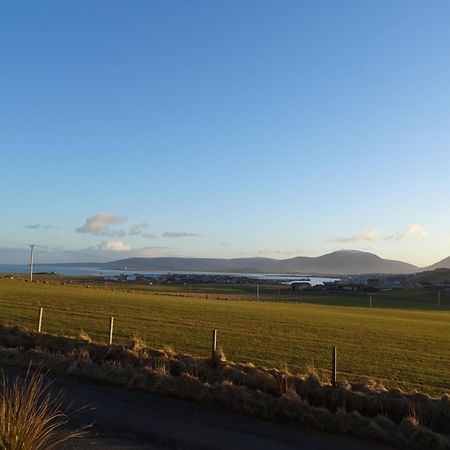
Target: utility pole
<point x="257" y="291"/>
<point x="370" y="300"/>
<point x="31" y="261"/>
<point x="439" y="298"/>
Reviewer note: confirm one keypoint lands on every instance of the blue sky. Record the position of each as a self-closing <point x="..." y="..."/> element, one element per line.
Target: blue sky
<point x="237" y="128"/>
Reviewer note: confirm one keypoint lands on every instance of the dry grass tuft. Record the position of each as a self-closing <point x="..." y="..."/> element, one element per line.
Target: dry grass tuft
<point x="286" y="382"/>
<point x="409" y="425"/>
<point x="261" y="379"/>
<point x="168" y="351"/>
<point x="84" y="336"/>
<point x="80" y="354"/>
<point x="189" y="367"/>
<point x="160" y="366"/>
<point x="313" y="378"/>
<point x="138" y="344"/>
<point x="30" y="418"/>
<point x="220" y="354"/>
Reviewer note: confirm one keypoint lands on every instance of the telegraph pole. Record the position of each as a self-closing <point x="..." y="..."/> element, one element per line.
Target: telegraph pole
<point x="31" y="261"/>
<point x="257" y="291"/>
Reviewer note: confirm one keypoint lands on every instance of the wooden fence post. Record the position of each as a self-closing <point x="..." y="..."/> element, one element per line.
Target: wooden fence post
<point x="39" y="327"/>
<point x="214" y="346"/>
<point x="334" y="367"/>
<point x="111" y="328"/>
<point x="370" y="300"/>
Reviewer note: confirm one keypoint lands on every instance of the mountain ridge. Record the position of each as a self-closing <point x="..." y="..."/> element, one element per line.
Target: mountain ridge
<point x="442" y="264"/>
<point x="342" y="262"/>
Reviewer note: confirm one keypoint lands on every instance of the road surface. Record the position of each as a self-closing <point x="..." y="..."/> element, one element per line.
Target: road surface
<point x="136" y="420"/>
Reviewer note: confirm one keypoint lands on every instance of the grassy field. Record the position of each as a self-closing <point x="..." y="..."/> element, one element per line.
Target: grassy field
<point x="406" y="348"/>
<point x="419" y="298"/>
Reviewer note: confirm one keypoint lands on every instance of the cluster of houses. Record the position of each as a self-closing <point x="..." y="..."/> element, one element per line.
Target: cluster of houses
<point x="355" y="283"/>
<point x="180" y="278"/>
<point x="370" y="284"/>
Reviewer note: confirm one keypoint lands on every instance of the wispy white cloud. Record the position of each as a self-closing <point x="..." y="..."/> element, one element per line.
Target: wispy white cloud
<point x="115" y="246"/>
<point x="133" y="230"/>
<point x="100" y="222"/>
<point x="38" y="226"/>
<point x="114" y="249"/>
<point x="110" y="247"/>
<point x="179" y="234"/>
<point x="137" y="229"/>
<point x="369" y="235"/>
<point x="413" y="230"/>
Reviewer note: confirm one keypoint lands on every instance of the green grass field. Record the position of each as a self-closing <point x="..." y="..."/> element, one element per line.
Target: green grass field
<point x="400" y="347"/>
<point x="402" y="298"/>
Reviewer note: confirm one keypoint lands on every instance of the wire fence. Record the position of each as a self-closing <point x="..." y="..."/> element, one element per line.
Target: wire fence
<point x="214" y="346"/>
<point x="189" y="336"/>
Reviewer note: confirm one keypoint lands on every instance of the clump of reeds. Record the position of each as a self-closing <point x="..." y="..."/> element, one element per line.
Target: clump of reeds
<point x="30" y="417"/>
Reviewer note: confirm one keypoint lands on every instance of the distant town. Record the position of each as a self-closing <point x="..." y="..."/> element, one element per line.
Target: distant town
<point x="439" y="278"/>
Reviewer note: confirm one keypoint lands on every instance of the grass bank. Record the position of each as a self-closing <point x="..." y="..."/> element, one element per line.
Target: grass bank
<point x="398" y="348"/>
<point x="367" y="411"/>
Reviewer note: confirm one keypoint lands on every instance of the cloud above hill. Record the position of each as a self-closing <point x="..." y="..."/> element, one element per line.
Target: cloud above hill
<point x="369" y="235"/>
<point x="115" y="246"/>
<point x="110" y="250"/>
<point x="413" y="230"/>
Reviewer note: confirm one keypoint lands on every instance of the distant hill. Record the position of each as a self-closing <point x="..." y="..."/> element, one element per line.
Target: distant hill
<point x="349" y="262"/>
<point x="345" y="262"/>
<point x="433" y="276"/>
<point x="443" y="264"/>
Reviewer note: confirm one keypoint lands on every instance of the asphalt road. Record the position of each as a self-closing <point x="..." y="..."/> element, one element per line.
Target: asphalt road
<point x="124" y="419"/>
